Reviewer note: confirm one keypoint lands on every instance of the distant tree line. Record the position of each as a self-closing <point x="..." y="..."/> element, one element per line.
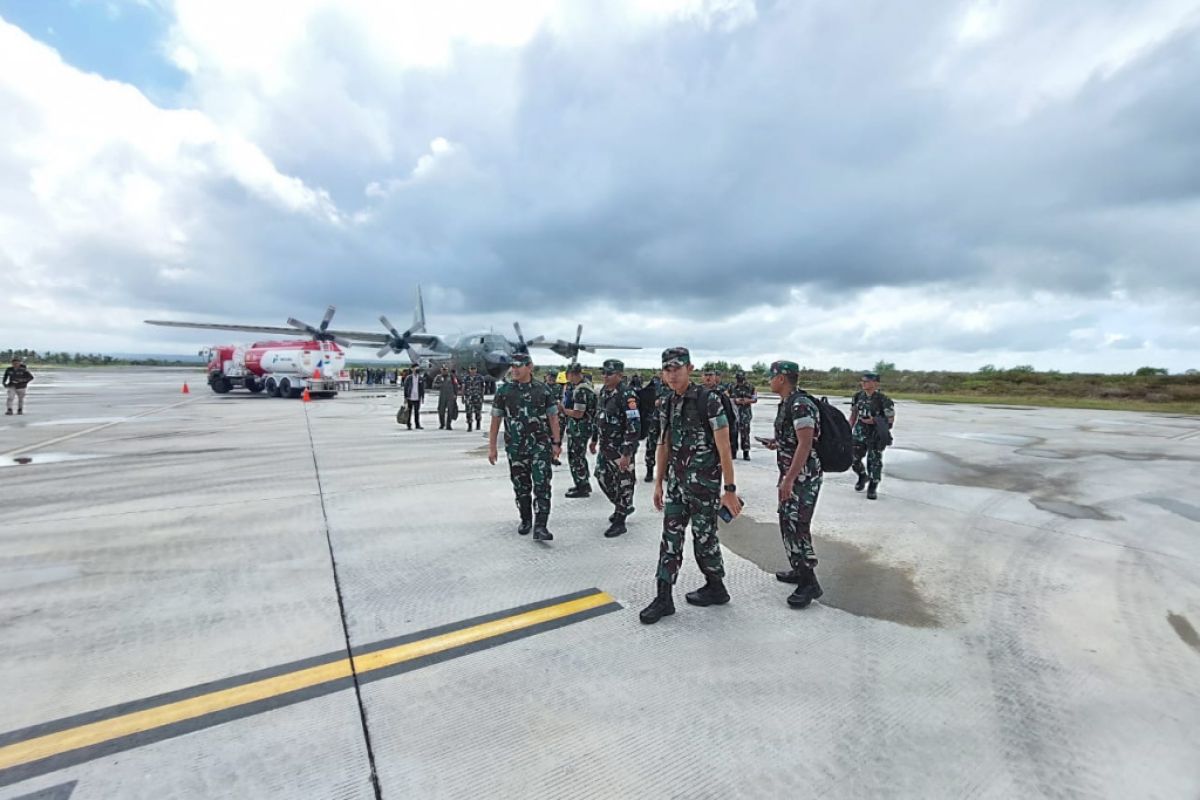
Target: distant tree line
<point x="66" y="359"/>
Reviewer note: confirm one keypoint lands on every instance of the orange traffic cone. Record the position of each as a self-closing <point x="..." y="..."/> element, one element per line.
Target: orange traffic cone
<point x="306" y="397"/>
<point x="316" y="374"/>
<point x="185" y="389"/>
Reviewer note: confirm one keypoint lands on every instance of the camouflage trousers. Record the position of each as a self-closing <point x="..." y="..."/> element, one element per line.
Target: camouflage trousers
<point x="795" y="522"/>
<point x="652" y="434"/>
<point x="874" y="468"/>
<point x="743" y="423"/>
<point x="530" y="475"/>
<point x="577" y="458"/>
<point x="680" y="507"/>
<point x="474" y="410"/>
<point x="616" y="483"/>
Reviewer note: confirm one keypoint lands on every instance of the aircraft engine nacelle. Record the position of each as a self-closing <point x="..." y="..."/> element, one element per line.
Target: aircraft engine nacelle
<point x="496" y="363"/>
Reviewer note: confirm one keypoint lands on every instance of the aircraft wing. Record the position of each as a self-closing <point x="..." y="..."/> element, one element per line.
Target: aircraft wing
<point x="588" y="346"/>
<point x="367" y="337"/>
<point x="216" y="326"/>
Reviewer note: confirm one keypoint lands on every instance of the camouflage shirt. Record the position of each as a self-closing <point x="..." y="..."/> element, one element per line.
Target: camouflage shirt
<point x="473" y="387"/>
<point x="860" y="406"/>
<point x="618" y="422"/>
<point x="796" y="413"/>
<point x="526" y="409"/>
<point x="583" y="398"/>
<point x="695" y="464"/>
<point x="743" y="391"/>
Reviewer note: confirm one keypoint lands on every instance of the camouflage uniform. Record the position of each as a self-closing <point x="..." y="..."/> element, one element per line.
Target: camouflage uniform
<point x="526" y="409"/>
<point x="473" y="387"/>
<point x="693" y="483"/>
<point x="618" y="425"/>
<point x="795" y="413"/>
<point x="653" y="430"/>
<point x="864" y="435"/>
<point x="580" y="432"/>
<point x="744" y="391"/>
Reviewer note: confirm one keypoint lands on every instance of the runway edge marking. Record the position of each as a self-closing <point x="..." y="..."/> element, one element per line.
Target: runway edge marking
<point x="51" y="746"/>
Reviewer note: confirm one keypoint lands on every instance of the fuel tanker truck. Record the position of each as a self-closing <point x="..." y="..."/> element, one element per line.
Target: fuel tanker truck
<point x="282" y="369"/>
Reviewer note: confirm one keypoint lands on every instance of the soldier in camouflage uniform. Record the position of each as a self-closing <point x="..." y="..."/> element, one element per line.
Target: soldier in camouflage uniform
<point x="868" y="409"/>
<point x="579" y="405"/>
<point x="661" y="392"/>
<point x="618" y="425"/>
<point x="797" y="427"/>
<point x="693" y="455"/>
<point x="744" y="396"/>
<point x="472" y="388"/>
<point x="531" y="440"/>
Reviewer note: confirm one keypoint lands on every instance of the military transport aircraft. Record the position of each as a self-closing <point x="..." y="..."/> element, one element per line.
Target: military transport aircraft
<point x="490" y="352"/>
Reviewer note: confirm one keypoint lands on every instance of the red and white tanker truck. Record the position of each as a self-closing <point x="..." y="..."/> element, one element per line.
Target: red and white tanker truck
<point x="283" y="369"/>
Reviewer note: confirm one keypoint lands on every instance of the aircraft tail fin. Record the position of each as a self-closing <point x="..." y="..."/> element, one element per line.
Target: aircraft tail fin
<point x="418" y="324"/>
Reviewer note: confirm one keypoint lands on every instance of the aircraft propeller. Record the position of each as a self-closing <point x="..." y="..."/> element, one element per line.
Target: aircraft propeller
<point x="399" y="341"/>
<point x="571" y="350"/>
<point x="319" y="334"/>
<point x="522" y="344"/>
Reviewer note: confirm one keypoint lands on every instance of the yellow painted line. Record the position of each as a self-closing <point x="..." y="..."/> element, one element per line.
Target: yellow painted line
<point x="448" y="641"/>
<point x="139" y="721"/>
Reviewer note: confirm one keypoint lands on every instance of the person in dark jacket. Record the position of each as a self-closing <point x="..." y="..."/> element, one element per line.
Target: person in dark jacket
<point x="448" y="399"/>
<point x="16" y="378"/>
<point x="414" y="394"/>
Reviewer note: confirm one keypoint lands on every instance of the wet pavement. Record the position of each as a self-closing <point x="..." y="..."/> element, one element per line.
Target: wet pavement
<point x="239" y="596"/>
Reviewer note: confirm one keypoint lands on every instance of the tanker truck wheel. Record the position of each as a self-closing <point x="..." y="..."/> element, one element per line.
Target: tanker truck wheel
<point x="253" y="386"/>
<point x="272" y="387"/>
<point x="285" y="388"/>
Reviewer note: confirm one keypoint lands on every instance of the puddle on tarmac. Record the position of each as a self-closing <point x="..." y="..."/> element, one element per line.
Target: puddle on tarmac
<point x="1186" y="510"/>
<point x="1185" y="630"/>
<point x="79" y="421"/>
<point x="852" y="579"/>
<point x="1014" y="408"/>
<point x="1070" y="510"/>
<point x="999" y="438"/>
<point x="943" y="468"/>
<point x="22" y="578"/>
<point x="46" y="458"/>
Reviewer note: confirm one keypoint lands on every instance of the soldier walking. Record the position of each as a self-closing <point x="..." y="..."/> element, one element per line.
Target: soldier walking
<point x="693" y="455"/>
<point x="618" y="425"/>
<point x="579" y="405"/>
<point x="744" y="396"/>
<point x="797" y="427"/>
<point x="531" y="440"/>
<point x="16" y="379"/>
<point x="872" y="417"/>
<point x="447" y="399"/>
<point x="473" y="389"/>
<point x="660" y="391"/>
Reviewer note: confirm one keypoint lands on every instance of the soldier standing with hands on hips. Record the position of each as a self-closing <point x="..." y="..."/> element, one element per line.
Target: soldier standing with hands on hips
<point x="693" y="456"/>
<point x="531" y="440"/>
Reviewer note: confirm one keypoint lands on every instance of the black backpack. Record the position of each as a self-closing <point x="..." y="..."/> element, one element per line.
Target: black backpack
<point x="702" y="393"/>
<point x="835" y="445"/>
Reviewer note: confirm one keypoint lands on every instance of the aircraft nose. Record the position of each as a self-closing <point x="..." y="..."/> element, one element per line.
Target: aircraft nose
<point x="498" y="363"/>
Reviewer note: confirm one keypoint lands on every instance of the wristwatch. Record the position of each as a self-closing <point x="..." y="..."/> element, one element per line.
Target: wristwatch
<point x="731" y="487"/>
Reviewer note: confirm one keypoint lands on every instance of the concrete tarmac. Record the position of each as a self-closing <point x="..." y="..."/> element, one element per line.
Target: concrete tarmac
<point x="238" y="596"/>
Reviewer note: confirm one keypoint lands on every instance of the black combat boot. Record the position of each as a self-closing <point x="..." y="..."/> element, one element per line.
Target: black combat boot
<point x="616" y="528"/>
<point x="661" y="606"/>
<point x="579" y="491"/>
<point x="871" y="490"/>
<point x="540" y="533"/>
<point x="712" y="593"/>
<point x="806" y="591"/>
<point x="745" y="455"/>
<point x="526" y="508"/>
<point x="613" y="516"/>
<point x="649" y="475"/>
<point x="789" y="575"/>
<point x="862" y="479"/>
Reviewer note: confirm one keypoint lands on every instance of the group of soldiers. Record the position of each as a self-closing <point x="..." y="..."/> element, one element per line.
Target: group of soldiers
<point x="690" y="459"/>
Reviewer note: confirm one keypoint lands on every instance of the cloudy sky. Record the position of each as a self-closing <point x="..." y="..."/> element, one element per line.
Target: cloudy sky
<point x="941" y="184"/>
